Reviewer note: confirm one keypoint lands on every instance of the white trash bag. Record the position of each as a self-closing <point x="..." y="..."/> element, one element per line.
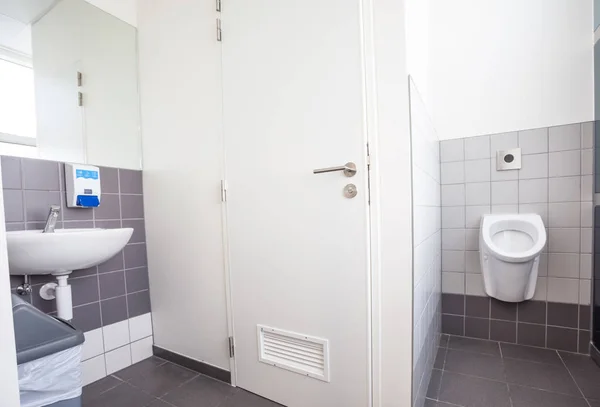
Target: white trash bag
<point x="51" y="379"/>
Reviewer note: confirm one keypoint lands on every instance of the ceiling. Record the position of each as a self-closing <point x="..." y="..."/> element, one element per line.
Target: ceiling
<point x="26" y="11"/>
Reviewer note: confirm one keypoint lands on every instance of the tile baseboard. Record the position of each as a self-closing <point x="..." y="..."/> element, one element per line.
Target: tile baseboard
<point x="195" y="365"/>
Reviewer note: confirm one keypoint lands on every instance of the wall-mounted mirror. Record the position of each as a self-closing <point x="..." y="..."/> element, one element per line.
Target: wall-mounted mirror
<point x="68" y="83"/>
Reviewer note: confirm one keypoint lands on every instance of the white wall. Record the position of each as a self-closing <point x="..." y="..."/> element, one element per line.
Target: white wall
<point x="122" y="9"/>
<point x="505" y="65"/>
<point x="180" y="90"/>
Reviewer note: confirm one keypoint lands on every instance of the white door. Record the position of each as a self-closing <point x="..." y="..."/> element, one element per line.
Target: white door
<point x="293" y="102"/>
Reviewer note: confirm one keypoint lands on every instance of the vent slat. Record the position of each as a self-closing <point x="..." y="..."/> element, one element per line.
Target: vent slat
<point x="296" y="347"/>
<point x="318" y="366"/>
<point x="295" y="355"/>
<point x="299" y="342"/>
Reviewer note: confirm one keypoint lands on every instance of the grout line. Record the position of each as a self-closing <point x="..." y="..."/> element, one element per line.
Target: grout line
<point x="573" y="378"/>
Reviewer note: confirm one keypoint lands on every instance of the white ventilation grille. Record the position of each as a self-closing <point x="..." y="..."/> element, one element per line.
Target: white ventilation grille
<point x="298" y="353"/>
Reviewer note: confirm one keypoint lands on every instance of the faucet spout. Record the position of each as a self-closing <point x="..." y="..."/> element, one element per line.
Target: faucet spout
<point x="52" y="218"/>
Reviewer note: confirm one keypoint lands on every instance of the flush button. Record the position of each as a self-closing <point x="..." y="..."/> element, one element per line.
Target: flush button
<point x="508" y="159"/>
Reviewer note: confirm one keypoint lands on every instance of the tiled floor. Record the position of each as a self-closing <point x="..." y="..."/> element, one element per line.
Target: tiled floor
<point x="157" y="383"/>
<point x="477" y="373"/>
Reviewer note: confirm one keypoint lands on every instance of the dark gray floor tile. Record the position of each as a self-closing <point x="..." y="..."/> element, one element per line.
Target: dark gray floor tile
<point x="440" y="358"/>
<point x="473" y="392"/>
<point x="430" y="403"/>
<point x="123" y="395"/>
<point x="594" y="403"/>
<point x="588" y="381"/>
<point x="163" y="379"/>
<point x="579" y="362"/>
<point x="444" y="341"/>
<point x="245" y="399"/>
<point x="474" y="345"/>
<point x="527" y="397"/>
<point x="158" y="403"/>
<point x="434" y="384"/>
<point x="140" y="369"/>
<point x="474" y="364"/>
<point x="530" y="353"/>
<point x="540" y="376"/>
<point x="92" y="391"/>
<point x="200" y="392"/>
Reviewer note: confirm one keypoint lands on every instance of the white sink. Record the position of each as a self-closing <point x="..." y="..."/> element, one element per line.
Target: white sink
<point x="33" y="252"/>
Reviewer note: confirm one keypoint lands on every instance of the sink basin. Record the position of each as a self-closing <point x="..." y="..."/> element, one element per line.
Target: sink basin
<point x="33" y="252"/>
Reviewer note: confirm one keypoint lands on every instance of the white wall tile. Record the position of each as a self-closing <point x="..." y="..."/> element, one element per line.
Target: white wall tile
<point x="453" y="283"/>
<point x="505" y="192"/>
<point x="472" y="262"/>
<point x="453" y="173"/>
<point x="453" y="239"/>
<point x="533" y="191"/>
<point x="565" y="290"/>
<point x="587" y="135"/>
<point x="563" y="240"/>
<point x="116" y="335"/>
<point x="472" y="239"/>
<point x="477" y="170"/>
<point x="452" y="150"/>
<point x="503" y="141"/>
<point x="565" y="189"/>
<point x="564" y="215"/>
<point x="478" y="193"/>
<point x="477" y="147"/>
<point x="533" y="141"/>
<point x="539" y="208"/>
<point x="118" y="359"/>
<point x="534" y="166"/>
<point x="587" y="162"/>
<point x="543" y="266"/>
<point x="585" y="292"/>
<point x="587" y="244"/>
<point x="93" y="345"/>
<point x="475" y="285"/>
<point x="585" y="266"/>
<point x="587" y="188"/>
<point x="453" y="217"/>
<point x="141" y="349"/>
<point x="93" y="369"/>
<point x="453" y="195"/>
<point x="500" y="209"/>
<point x="474" y="215"/>
<point x="564" y="163"/>
<point x="140" y="327"/>
<point x="563" y="265"/>
<point x="566" y="137"/>
<point x="541" y="289"/>
<point x="587" y="215"/>
<point x="453" y="260"/>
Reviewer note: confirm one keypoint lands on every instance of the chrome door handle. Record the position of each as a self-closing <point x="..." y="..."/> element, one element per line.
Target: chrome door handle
<point x="349" y="169"/>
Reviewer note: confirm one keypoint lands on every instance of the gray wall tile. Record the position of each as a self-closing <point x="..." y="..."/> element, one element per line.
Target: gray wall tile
<point x="13" y="205"/>
<point x="505" y="175"/>
<point x="453" y="217"/>
<point x="130" y="181"/>
<point x="562" y="339"/>
<point x="453" y="239"/>
<point x="113" y="264"/>
<point x="109" y="180"/>
<point x="477" y="147"/>
<point x="84" y="289"/>
<point x="563" y="240"/>
<point x="587" y="162"/>
<point x="566" y="137"/>
<point x="75" y="213"/>
<point x="533" y="191"/>
<point x="532" y="335"/>
<point x="474" y="215"/>
<point x="503" y="331"/>
<point x="40" y="174"/>
<point x="37" y="204"/>
<point x="11" y="173"/>
<point x="112" y="284"/>
<point x="114" y="310"/>
<point x="139" y="232"/>
<point x="534" y="166"/>
<point x="453" y="195"/>
<point x="110" y="207"/>
<point x="87" y="317"/>
<point x="132" y="206"/>
<point x="135" y="256"/>
<point x="453" y="173"/>
<point x="564" y="215"/>
<point x="108" y="224"/>
<point x="138" y="303"/>
<point x="505" y="192"/>
<point x="477" y="170"/>
<point x="587" y="135"/>
<point x="453" y="260"/>
<point x="502" y="209"/>
<point x="533" y="141"/>
<point x="452" y="150"/>
<point x="478" y="193"/>
<point x="538" y="208"/>
<point x="565" y="189"/>
<point x="137" y="279"/>
<point x="564" y="163"/>
<point x="532" y="312"/>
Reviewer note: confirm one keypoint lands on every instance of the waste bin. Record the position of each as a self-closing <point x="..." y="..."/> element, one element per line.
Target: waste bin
<point x="48" y="357"/>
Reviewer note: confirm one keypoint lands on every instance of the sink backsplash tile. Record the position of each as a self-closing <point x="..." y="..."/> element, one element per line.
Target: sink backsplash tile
<point x="111" y="292"/>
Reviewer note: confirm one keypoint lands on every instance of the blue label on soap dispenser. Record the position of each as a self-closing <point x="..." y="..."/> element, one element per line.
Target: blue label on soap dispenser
<point x="87" y="174"/>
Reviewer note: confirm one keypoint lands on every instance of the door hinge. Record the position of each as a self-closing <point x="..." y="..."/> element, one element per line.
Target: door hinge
<point x="218" y="5"/>
<point x="231" y="347"/>
<point x="79" y="79"/>
<point x="79" y="99"/>
<point x="223" y="191"/>
<point x="219" y="32"/>
<point x="368" y="175"/>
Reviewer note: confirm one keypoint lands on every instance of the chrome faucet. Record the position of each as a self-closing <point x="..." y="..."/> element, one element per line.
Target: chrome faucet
<point x="52" y="218"/>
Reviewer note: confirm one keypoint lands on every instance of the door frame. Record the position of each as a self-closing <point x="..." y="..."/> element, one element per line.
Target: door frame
<point x="373" y="41"/>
